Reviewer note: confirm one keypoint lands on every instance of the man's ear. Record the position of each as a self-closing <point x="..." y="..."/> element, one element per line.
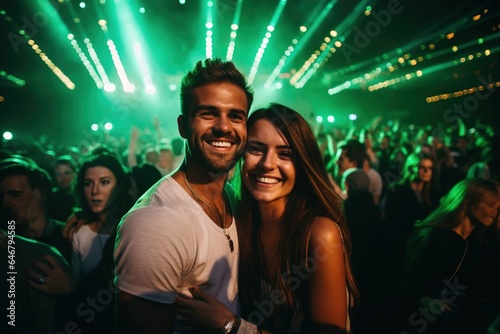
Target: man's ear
<point x="40" y="195"/>
<point x="181" y="125"/>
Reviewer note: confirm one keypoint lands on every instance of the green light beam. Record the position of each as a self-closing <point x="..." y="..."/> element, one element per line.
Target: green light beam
<point x="345" y="25"/>
<point x="314" y="20"/>
<point x="234" y="31"/>
<point x="18" y="82"/>
<point x="265" y="41"/>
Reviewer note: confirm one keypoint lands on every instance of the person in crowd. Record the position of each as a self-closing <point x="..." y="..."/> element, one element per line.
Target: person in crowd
<point x="178" y="151"/>
<point x="369" y="251"/>
<point x="24" y="192"/>
<point x="383" y="150"/>
<point x="393" y="172"/>
<point x="102" y="192"/>
<point x="181" y="233"/>
<point x="350" y="157"/>
<point x="62" y="199"/>
<point x="410" y="199"/>
<point x="142" y="177"/>
<point x="294" y="240"/>
<point x="32" y="311"/>
<point x="151" y="155"/>
<point x="327" y="150"/>
<point x="478" y="169"/>
<point x="451" y="272"/>
<point x="376" y="184"/>
<point x="103" y="198"/>
<point x="351" y="154"/>
<point x="165" y="162"/>
<point x="461" y="152"/>
<point x="448" y="173"/>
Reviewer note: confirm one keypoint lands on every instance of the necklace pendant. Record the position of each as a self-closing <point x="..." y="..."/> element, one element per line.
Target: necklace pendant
<point x="230" y="242"/>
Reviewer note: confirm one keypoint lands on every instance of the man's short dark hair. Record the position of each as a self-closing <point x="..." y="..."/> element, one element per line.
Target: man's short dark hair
<point x="212" y="71"/>
<point x="37" y="177"/>
<point x="355" y="151"/>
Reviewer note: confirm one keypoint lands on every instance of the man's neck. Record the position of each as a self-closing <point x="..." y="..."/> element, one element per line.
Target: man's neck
<point x="207" y="185"/>
<point x="36" y="228"/>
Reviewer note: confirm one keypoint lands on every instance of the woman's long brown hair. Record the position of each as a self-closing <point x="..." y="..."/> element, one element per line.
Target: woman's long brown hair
<point x="313" y="195"/>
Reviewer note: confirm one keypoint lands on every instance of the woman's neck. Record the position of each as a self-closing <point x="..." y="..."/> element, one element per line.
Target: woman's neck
<point x="271" y="215"/>
<point x="417" y="185"/>
<point x="103" y="224"/>
<point x="465" y="228"/>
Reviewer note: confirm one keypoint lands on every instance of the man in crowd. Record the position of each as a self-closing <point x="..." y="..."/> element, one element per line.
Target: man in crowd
<point x="24" y="191"/>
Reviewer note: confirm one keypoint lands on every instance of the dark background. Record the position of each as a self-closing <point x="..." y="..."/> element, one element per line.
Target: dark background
<point x="172" y="36"/>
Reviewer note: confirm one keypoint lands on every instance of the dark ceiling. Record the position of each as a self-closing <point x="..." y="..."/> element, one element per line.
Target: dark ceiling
<point x="394" y="42"/>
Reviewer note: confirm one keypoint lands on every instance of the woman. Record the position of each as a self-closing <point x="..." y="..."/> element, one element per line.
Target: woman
<point x="451" y="268"/>
<point x="101" y="189"/>
<point x="102" y="194"/>
<point x="410" y="199"/>
<point x="294" y="271"/>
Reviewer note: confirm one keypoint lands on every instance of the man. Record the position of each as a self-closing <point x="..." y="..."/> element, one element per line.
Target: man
<point x="350" y="157"/>
<point x="181" y="233"/>
<point x="62" y="200"/>
<point x="376" y="183"/>
<point x="24" y="191"/>
<point x="30" y="307"/>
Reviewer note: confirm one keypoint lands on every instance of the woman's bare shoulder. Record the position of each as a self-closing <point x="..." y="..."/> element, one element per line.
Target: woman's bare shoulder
<point x="324" y="231"/>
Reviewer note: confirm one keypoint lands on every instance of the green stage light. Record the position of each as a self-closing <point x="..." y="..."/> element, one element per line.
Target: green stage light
<point x="108" y="126"/>
<point x="7" y="135"/>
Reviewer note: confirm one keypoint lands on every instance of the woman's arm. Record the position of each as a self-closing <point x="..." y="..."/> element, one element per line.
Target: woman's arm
<point x="327" y="288"/>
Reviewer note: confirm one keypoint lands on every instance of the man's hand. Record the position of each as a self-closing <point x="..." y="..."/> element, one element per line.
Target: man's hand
<point x="204" y="309"/>
<point x="51" y="277"/>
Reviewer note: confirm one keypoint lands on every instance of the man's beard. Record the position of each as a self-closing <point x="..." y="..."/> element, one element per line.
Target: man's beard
<point x="217" y="164"/>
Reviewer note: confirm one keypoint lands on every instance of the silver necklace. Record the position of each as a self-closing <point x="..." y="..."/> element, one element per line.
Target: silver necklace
<point x="271" y="259"/>
<point x="221" y="220"/>
<point x="99" y="235"/>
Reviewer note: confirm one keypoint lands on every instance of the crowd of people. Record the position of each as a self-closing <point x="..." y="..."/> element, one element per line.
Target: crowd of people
<point x="255" y="221"/>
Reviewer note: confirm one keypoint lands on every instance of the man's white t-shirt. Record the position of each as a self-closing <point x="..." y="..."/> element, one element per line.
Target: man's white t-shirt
<point x="166" y="244"/>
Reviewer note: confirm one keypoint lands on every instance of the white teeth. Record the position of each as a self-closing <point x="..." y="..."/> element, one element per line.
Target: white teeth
<point x="267" y="180"/>
<point x="221" y="143"/>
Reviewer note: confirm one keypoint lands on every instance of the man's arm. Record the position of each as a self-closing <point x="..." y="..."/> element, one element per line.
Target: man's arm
<point x="139" y="315"/>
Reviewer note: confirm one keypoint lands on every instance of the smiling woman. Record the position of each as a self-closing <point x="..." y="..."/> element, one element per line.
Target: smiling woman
<point x="293" y="216"/>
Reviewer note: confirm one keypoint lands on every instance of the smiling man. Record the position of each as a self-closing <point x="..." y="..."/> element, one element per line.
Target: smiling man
<point x="181" y="232"/>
